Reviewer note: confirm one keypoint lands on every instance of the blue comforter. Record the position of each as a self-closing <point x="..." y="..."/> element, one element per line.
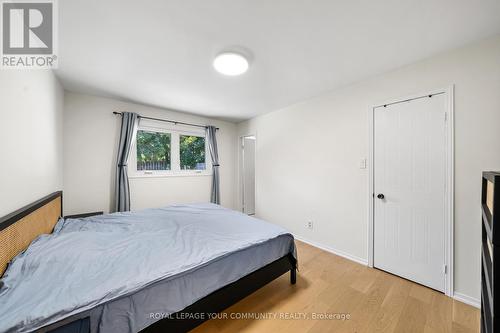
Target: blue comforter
<point x="87" y="262"/>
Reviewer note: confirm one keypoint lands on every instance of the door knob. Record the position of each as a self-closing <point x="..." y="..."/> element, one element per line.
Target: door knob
<point x="380" y="196"/>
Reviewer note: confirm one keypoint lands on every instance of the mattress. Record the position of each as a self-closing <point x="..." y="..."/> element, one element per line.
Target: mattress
<point x="127" y="270"/>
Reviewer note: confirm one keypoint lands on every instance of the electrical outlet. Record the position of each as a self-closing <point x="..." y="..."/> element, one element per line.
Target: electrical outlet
<point x="309" y="224"/>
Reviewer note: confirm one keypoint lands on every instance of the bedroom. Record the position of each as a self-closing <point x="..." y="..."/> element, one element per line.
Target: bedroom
<point x="130" y="107"/>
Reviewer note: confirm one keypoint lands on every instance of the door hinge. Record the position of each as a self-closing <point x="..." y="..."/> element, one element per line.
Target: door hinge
<point x="445" y="269"/>
<point x="446" y="116"/>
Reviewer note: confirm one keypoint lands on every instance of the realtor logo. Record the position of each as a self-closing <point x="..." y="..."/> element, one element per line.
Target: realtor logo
<point x="28" y="30"/>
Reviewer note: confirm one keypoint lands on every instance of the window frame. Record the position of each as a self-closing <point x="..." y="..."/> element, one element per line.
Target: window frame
<point x="175" y="132"/>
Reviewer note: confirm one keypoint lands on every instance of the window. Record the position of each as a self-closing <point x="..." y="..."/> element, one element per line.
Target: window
<point x="162" y="149"/>
<point x="153" y="150"/>
<point x="192" y="152"/>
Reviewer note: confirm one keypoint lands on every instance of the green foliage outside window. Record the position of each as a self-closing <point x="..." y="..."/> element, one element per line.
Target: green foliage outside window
<point x="192" y="151"/>
<point x="153" y="151"/>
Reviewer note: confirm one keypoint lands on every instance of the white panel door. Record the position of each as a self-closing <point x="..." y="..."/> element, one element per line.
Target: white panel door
<point x="249" y="175"/>
<point x="409" y="190"/>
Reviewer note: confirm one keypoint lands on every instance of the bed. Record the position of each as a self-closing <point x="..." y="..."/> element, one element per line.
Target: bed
<point x="156" y="270"/>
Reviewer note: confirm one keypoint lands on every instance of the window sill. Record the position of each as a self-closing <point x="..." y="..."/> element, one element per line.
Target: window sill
<point x="168" y="175"/>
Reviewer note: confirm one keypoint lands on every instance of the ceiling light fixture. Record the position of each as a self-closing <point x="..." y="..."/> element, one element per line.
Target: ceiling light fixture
<point x="230" y="63"/>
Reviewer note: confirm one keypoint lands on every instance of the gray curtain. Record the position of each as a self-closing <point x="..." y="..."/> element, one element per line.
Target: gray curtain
<point x="212" y="146"/>
<point x="122" y="191"/>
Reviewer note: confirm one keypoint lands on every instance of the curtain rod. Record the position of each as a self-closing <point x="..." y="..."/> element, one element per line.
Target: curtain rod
<point x="168" y="121"/>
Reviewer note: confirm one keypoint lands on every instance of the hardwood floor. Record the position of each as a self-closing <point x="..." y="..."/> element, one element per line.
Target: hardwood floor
<point x="376" y="302"/>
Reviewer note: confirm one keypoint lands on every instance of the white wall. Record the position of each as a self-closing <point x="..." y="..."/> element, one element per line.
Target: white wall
<point x="308" y="154"/>
<point x="31" y="115"/>
<point x="91" y="133"/>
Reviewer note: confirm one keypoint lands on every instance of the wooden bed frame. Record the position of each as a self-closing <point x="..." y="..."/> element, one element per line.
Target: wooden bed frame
<point x="20" y="228"/>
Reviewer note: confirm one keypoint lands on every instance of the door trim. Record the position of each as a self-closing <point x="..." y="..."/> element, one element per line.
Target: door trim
<point x="449" y="186"/>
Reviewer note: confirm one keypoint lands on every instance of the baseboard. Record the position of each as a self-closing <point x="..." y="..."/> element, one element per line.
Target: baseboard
<point x="332" y="250"/>
<point x="467" y="300"/>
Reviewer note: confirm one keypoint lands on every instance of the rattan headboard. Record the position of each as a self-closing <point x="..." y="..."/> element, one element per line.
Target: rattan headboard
<point x="20" y="228"/>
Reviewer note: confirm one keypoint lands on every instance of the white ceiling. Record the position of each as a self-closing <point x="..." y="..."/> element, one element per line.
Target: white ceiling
<point x="160" y="52"/>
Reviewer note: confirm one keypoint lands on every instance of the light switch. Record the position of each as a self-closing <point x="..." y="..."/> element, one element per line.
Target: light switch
<point x="362" y="163"/>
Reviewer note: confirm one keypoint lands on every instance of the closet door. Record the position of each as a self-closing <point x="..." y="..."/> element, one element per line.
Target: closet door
<point x="409" y="190"/>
